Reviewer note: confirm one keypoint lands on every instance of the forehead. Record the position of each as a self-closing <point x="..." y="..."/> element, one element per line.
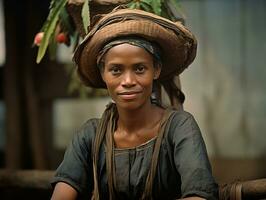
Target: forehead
<point x="127" y="51"/>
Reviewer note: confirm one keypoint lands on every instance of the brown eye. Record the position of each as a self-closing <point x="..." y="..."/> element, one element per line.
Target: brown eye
<point x="115" y="70"/>
<point x="140" y="69"/>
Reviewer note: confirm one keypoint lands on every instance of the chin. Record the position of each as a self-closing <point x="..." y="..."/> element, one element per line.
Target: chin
<point x="128" y="106"/>
<point x="131" y="105"/>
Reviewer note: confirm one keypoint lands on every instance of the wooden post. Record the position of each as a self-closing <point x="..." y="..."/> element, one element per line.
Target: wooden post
<point x="243" y="190"/>
<point x="34" y="179"/>
<point x="25" y="184"/>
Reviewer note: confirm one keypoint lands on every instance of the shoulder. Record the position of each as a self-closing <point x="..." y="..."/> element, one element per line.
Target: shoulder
<point x="80" y="146"/>
<point x="183" y="125"/>
<point x="182" y="118"/>
<point x="89" y="126"/>
<point x="86" y="133"/>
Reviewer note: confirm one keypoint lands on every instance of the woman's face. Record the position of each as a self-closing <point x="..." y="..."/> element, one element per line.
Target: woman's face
<point x="129" y="73"/>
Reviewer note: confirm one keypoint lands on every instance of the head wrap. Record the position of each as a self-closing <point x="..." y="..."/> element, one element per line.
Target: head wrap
<point x="150" y="47"/>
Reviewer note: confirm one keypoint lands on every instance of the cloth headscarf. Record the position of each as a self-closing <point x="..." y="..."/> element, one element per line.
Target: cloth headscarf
<point x="152" y="48"/>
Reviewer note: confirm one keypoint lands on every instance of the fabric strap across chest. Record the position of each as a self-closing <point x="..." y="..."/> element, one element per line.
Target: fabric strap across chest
<point x="110" y="163"/>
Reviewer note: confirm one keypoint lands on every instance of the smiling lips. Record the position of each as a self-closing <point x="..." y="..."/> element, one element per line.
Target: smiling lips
<point x="129" y="95"/>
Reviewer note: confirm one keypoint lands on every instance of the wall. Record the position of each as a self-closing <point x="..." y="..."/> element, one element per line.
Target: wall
<point x="225" y="86"/>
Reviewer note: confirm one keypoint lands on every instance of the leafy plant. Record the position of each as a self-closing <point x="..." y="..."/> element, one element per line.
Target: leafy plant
<point x="153" y="6"/>
<point x="59" y="28"/>
<point x="59" y="20"/>
<point x="167" y="8"/>
<point x="56" y="8"/>
<point x="85" y="15"/>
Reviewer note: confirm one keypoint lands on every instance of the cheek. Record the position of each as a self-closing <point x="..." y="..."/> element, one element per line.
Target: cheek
<point x="106" y="78"/>
<point x="110" y="87"/>
<point x="147" y="83"/>
<point x="111" y="83"/>
<point x="111" y="91"/>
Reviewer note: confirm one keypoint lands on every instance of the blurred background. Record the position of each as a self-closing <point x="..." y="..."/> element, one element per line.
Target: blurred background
<point x="225" y="88"/>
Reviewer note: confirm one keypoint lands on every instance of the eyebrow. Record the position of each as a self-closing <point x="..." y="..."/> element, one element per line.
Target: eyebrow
<point x="134" y="64"/>
<point x="115" y="65"/>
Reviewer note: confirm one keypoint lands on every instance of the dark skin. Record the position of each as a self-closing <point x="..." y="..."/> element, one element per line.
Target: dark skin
<point x="128" y="72"/>
<point x="125" y="137"/>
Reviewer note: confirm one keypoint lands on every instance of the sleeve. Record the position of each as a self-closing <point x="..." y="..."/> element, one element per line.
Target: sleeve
<point x="191" y="159"/>
<point x="76" y="167"/>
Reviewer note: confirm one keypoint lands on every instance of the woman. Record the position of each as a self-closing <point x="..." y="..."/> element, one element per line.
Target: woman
<point x="138" y="149"/>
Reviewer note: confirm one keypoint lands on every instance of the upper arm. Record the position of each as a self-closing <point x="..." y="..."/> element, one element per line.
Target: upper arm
<point x="76" y="168"/>
<point x="191" y="159"/>
<point x="189" y="147"/>
<point x="63" y="191"/>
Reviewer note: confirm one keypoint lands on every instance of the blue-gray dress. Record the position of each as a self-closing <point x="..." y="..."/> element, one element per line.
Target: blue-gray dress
<point x="183" y="167"/>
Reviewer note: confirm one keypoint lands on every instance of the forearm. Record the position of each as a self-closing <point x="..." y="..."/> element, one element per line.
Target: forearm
<point x="63" y="191"/>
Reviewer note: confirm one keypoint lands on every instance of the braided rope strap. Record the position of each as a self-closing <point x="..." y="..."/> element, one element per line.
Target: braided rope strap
<point x="164" y="128"/>
<point x="236" y="191"/>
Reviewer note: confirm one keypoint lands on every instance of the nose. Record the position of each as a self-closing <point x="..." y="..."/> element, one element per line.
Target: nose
<point x="128" y="79"/>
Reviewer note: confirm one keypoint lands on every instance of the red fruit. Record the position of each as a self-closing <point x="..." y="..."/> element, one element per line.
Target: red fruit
<point x="61" y="38"/>
<point x="38" y="38"/>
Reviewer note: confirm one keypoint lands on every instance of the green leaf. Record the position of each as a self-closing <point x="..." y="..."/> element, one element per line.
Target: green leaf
<point x="52" y="46"/>
<point x="145" y="6"/>
<point x="49" y="27"/>
<point x="156" y="6"/>
<point x="65" y="22"/>
<point x="131" y="5"/>
<point x="52" y="4"/>
<point x="85" y="13"/>
<point x="75" y="40"/>
<point x="175" y="5"/>
<point x="147" y="1"/>
<point x="166" y="13"/>
<point x="137" y="5"/>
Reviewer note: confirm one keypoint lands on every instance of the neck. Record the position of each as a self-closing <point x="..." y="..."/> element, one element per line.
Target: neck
<point x="133" y="120"/>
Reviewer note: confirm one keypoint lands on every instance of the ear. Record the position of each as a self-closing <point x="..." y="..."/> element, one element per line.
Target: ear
<point x="101" y="69"/>
<point x="157" y="72"/>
